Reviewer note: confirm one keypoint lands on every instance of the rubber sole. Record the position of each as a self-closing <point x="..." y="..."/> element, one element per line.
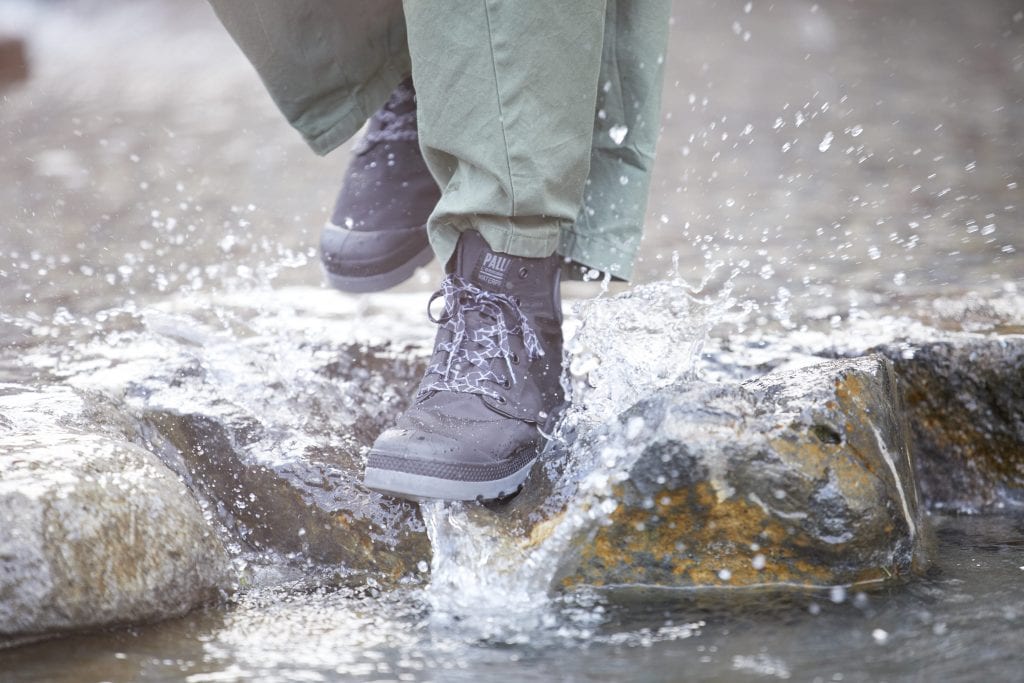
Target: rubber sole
<point x="381" y="281"/>
<point x="418" y="487"/>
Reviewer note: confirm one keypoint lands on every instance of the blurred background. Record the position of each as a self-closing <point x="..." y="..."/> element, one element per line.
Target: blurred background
<point x="816" y="154"/>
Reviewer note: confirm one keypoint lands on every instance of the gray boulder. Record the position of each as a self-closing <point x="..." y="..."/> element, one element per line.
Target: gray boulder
<point x="95" y="530"/>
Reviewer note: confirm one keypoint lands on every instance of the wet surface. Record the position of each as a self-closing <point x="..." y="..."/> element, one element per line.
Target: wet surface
<point x="965" y="616"/>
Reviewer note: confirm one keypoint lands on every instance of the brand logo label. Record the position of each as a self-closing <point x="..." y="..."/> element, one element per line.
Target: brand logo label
<point x="493" y="268"/>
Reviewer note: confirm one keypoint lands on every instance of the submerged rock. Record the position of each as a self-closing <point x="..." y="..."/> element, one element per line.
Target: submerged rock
<point x="95" y="530"/>
<point x="797" y="478"/>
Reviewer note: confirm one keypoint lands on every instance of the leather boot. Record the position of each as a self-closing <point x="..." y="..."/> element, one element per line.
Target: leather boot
<point x="493" y="385"/>
<point x="377" y="235"/>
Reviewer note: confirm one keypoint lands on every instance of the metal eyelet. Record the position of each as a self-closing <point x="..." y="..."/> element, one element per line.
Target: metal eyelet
<point x="506" y="383"/>
<point x="523" y="271"/>
<point x="501" y="400"/>
<point x="515" y="358"/>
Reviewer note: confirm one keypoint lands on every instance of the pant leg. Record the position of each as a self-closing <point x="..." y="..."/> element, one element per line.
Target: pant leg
<point x="328" y="64"/>
<point x="606" y="234"/>
<point x="506" y="94"/>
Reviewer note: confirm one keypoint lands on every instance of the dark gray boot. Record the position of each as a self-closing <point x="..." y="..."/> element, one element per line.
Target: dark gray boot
<point x="493" y="383"/>
<point x="377" y="235"/>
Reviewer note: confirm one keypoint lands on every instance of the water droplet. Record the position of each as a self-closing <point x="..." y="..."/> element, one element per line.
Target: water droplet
<point x="880" y="635"/>
<point x="634" y="427"/>
<point x="826" y="142"/>
<point x="618" y="134"/>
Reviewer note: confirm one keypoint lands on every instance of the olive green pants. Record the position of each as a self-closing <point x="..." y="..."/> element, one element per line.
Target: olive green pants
<point x="538" y="119"/>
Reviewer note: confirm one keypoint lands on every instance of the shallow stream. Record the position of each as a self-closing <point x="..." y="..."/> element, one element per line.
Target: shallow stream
<point x="966" y="616"/>
<point x="478" y="611"/>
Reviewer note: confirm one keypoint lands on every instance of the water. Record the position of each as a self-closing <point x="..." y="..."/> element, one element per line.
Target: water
<point x="483" y="609"/>
<point x="965" y="616"/>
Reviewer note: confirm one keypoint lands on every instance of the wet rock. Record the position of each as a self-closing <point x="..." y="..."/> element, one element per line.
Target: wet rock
<point x="965" y="403"/>
<point x="96" y="531"/>
<point x="801" y="477"/>
<point x="293" y="489"/>
<point x="960" y="369"/>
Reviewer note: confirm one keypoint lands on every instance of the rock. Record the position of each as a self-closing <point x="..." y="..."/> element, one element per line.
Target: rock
<point x="965" y="402"/>
<point x="961" y="374"/>
<point x="96" y="531"/>
<point x="796" y="478"/>
<point x="264" y="406"/>
<point x="294" y="489"/>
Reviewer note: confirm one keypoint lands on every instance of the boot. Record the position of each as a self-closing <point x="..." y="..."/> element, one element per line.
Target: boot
<point x="377" y="235"/>
<point x="492" y="387"/>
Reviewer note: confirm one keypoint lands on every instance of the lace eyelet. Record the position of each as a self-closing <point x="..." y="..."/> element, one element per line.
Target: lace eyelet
<point x="506" y="383"/>
<point x="515" y="358"/>
<point x="523" y="271"/>
<point x="501" y="400"/>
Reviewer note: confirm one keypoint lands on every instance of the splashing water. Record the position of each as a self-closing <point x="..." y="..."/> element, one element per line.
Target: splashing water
<point x="492" y="569"/>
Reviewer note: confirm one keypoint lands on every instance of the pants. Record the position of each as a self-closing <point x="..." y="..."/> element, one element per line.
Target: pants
<point x="538" y="119"/>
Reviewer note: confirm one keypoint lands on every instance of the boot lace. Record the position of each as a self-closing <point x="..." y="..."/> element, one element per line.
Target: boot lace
<point x="389" y="125"/>
<point x="470" y="351"/>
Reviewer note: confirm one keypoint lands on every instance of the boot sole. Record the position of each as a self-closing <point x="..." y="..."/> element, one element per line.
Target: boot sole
<point x="419" y="487"/>
<point x="365" y="284"/>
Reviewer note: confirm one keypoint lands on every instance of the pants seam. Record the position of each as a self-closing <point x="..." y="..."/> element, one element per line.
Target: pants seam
<point x="501" y="112"/>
